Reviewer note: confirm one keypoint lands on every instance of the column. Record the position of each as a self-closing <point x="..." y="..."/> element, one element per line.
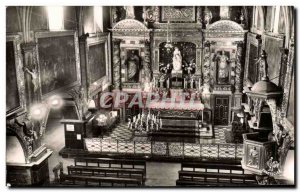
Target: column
<point x="206" y="67"/>
<point x="238" y="75"/>
<point x="116" y="64"/>
<point x="147" y="61"/>
<point x="238" y="67"/>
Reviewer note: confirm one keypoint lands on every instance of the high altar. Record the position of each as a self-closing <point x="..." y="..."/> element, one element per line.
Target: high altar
<point x="211" y="65"/>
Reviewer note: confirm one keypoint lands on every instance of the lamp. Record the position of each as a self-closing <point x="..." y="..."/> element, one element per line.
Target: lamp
<point x="168" y="45"/>
<point x="92" y="106"/>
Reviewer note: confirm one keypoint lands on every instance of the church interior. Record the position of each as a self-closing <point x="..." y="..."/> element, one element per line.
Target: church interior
<point x="150" y="96"/>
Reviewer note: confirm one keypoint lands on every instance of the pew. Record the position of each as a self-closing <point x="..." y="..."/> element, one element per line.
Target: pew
<point x="213" y="174"/>
<point x="111" y="163"/>
<point x="99" y="181"/>
<point x="107" y="171"/>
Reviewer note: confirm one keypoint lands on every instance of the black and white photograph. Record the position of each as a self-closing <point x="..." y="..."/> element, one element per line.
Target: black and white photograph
<point x="149" y="96"/>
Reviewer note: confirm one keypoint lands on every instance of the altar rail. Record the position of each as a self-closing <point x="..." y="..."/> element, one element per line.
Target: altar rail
<point x="165" y="149"/>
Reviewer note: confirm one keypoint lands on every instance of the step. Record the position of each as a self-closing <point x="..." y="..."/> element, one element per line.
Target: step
<point x="174" y="134"/>
<point x="177" y="130"/>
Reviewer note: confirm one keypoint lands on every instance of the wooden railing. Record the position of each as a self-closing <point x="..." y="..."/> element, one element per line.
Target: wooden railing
<point x="165" y="149"/>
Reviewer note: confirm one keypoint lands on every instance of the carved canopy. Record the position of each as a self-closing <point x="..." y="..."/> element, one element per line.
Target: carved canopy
<point x="129" y="25"/>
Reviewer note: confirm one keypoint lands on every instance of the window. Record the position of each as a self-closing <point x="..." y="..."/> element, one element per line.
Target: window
<point x="55" y="18"/>
<point x="98" y="18"/>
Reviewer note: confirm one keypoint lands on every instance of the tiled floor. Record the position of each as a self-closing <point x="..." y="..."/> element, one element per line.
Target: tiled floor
<point x="121" y="132"/>
<point x="158" y="173"/>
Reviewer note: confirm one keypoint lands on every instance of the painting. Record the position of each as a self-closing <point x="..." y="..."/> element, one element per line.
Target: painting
<point x="272" y="47"/>
<point x="133" y="65"/>
<point x="178" y="14"/>
<point x="97" y="62"/>
<point x="15" y="99"/>
<point x="58" y="61"/>
<point x="252" y="51"/>
<point x="12" y="93"/>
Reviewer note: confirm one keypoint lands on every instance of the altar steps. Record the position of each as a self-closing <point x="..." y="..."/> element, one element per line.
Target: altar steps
<point x="178" y="130"/>
<point x="175" y="134"/>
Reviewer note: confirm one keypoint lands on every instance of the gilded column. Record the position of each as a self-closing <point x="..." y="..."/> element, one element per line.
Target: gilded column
<point x="238" y="68"/>
<point x="147" y="61"/>
<point x="116" y="64"/>
<point x="206" y="67"/>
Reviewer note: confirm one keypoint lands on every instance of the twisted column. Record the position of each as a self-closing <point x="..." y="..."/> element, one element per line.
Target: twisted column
<point x="116" y="64"/>
<point x="238" y="68"/>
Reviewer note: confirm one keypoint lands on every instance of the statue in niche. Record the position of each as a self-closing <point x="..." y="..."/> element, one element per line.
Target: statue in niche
<point x="177" y="59"/>
<point x="223" y="68"/>
<point x="129" y="12"/>
<point x="133" y="65"/>
<point x="207" y="16"/>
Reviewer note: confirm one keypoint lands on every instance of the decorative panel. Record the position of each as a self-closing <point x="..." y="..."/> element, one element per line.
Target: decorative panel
<point x="175" y="149"/>
<point x="192" y="150"/>
<point x="142" y="147"/>
<point x="159" y="148"/>
<point x="227" y="151"/>
<point x="126" y="147"/>
<point x="209" y="150"/>
<point x="178" y="13"/>
<point x="93" y="144"/>
<point x="239" y="151"/>
<point x="109" y="146"/>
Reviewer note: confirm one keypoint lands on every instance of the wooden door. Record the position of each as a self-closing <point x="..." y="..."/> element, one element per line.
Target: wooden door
<point x="221" y="110"/>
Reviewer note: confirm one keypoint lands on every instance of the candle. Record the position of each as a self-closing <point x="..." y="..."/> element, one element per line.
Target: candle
<point x="192" y="81"/>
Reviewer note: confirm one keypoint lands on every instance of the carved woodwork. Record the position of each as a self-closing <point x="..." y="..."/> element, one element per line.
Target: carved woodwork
<point x="116" y="64"/>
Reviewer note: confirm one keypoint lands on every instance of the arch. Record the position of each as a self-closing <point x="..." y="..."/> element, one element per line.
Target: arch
<point x="130" y="24"/>
<point x="225" y="25"/>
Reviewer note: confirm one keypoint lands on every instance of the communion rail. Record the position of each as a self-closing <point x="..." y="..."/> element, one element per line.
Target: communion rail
<point x="164" y="149"/>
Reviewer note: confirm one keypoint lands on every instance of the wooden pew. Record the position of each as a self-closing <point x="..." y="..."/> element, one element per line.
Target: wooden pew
<point x="217" y="177"/>
<point x="109" y="162"/>
<point x="193" y="166"/>
<point x="213" y="174"/>
<point x="107" y="171"/>
<point x="98" y="180"/>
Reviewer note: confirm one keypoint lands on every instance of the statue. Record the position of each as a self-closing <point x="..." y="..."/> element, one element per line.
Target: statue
<point x="133" y="64"/>
<point x="177" y="60"/>
<point x="223" y="69"/>
<point x="34" y="77"/>
<point x="263" y="66"/>
<point x="207" y="16"/>
<point x="129" y="12"/>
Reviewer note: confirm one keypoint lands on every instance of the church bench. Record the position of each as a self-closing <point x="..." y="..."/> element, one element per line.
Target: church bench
<point x="192" y="166"/>
<point x="109" y="162"/>
<point x="96" y="171"/>
<point x="191" y="183"/>
<point x="219" y="177"/>
<point x="99" y="180"/>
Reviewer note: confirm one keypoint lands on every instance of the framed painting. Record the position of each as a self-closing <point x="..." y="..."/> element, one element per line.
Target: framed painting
<point x="58" y="58"/>
<point x="178" y="14"/>
<point x="15" y="91"/>
<point x="252" y="53"/>
<point x="272" y="47"/>
<point x="98" y="69"/>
